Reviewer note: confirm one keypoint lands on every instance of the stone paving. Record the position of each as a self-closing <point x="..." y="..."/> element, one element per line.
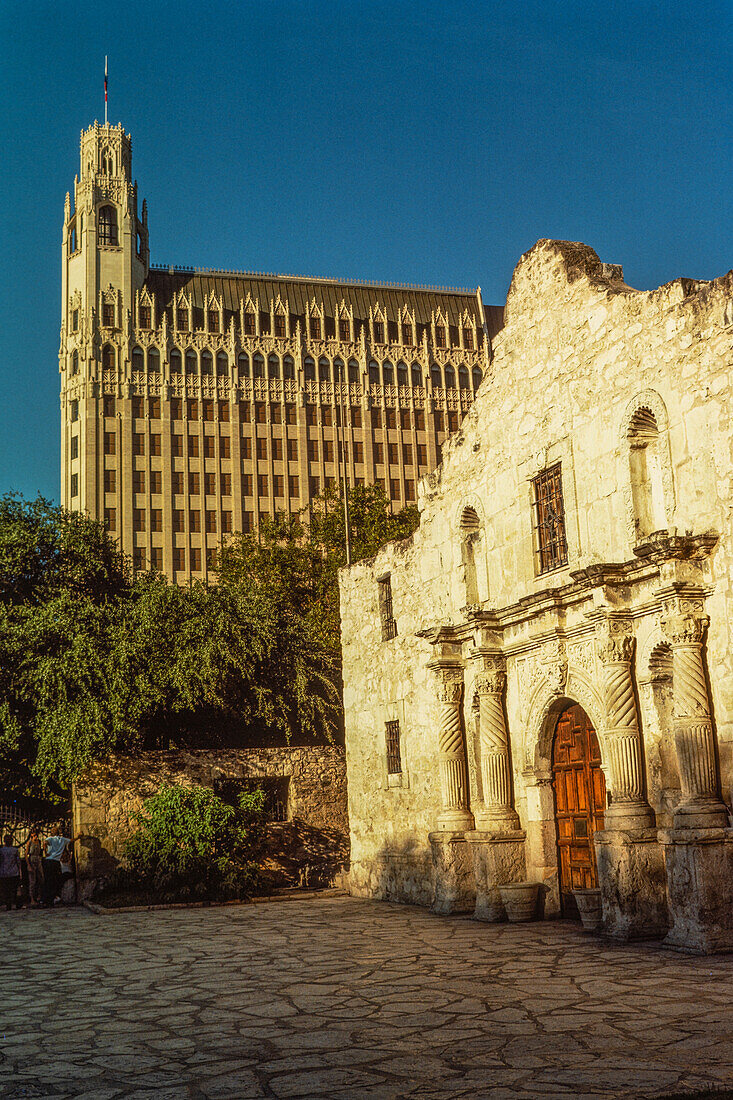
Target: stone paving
<point x="339" y="998"/>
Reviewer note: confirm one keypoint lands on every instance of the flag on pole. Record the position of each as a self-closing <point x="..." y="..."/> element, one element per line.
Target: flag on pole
<point x="105" y="89"/>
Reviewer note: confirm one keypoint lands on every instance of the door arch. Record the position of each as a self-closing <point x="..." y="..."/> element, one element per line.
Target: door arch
<point x="579" y="789"/>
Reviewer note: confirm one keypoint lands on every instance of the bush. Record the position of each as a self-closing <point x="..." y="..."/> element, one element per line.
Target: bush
<point x="190" y="845"/>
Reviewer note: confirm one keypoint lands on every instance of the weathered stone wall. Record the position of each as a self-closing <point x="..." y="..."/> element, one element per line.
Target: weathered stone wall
<point x="580" y="355"/>
<point x="108" y="796"/>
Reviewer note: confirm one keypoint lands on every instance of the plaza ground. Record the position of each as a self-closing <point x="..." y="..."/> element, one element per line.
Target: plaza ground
<point x="335" y="997"/>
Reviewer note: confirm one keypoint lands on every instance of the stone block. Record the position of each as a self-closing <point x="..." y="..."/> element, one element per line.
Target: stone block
<point x="497" y="858"/>
<point x="700" y="889"/>
<point x="455" y="886"/>
<point x="632" y="880"/>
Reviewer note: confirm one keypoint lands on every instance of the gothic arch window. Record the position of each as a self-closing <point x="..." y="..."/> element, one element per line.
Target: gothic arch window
<point x="138" y="359"/>
<point x="207" y="362"/>
<point x="243" y="364"/>
<point x="273" y="367"/>
<point x="373" y="373"/>
<point x="353" y="370"/>
<point x="258" y="366"/>
<point x="338" y="370"/>
<point x="309" y="368"/>
<point x="388" y="373"/>
<point x="477" y="377"/>
<point x="108" y="357"/>
<point x="450" y="378"/>
<point x="463" y="381"/>
<point x="435" y="376"/>
<point x="106" y="163"/>
<point x="324" y="370"/>
<point x="402" y="374"/>
<point x="222" y="363"/>
<point x="416" y="373"/>
<point x="315" y="326"/>
<point x="75" y="363"/>
<point x="280" y="322"/>
<point x="175" y="361"/>
<point x="288" y="368"/>
<point x="154" y="361"/>
<point x="191" y="362"/>
<point x="440" y="336"/>
<point x="107" y="225"/>
<point x="470" y="534"/>
<point x="645" y="467"/>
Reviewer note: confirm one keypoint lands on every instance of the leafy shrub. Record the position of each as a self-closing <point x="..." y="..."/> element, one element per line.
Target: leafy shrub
<point x="191" y="845"/>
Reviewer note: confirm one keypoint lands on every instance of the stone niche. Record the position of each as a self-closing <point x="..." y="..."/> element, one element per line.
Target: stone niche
<point x="308" y="835"/>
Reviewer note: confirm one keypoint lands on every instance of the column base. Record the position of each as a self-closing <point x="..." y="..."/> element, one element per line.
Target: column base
<point x="700" y="889"/>
<point x="626" y="816"/>
<point x="708" y="813"/>
<point x="633" y="884"/>
<point x="497" y="821"/>
<point x="455" y="821"/>
<point x="498" y="858"/>
<point x="455" y="887"/>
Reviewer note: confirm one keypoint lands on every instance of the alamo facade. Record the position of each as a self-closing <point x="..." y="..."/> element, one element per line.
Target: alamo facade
<point x="539" y="683"/>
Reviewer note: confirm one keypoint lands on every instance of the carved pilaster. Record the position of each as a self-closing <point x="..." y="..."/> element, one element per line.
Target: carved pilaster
<point x="684" y="624"/>
<point x="455" y="814"/>
<point x="629" y="808"/>
<point x="489" y="684"/>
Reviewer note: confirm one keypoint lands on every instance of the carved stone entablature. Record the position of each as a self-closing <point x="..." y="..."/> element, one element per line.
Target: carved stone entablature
<point x="663" y="546"/>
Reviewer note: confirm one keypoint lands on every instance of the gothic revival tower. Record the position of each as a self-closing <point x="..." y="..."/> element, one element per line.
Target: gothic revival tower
<point x="104" y="262"/>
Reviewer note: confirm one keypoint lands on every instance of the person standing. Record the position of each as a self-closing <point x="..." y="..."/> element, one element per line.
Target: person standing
<point x="34" y="862"/>
<point x="52" y="872"/>
<point x="9" y="873"/>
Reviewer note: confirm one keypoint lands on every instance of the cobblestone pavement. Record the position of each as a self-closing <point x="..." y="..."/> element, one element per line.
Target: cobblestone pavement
<point x="335" y="997"/>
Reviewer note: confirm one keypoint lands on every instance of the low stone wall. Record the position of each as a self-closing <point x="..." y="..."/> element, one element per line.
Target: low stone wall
<point x="312" y="845"/>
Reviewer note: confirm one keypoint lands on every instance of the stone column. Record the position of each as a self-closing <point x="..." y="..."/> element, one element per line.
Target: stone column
<point x="455" y="887"/>
<point x="489" y="683"/>
<point x="629" y="808"/>
<point x="455" y="814"/>
<point x="701" y="806"/>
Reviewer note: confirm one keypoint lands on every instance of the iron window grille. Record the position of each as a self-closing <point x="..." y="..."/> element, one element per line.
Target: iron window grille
<point x="389" y="625"/>
<point x="394" y="758"/>
<point x="549" y="516"/>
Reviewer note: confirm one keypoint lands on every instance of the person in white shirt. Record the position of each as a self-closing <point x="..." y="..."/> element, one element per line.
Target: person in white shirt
<point x="52" y="870"/>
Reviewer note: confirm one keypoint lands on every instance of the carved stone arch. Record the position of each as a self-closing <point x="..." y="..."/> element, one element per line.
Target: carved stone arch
<point x="645" y="412"/>
<point x="472" y="501"/>
<point x="544" y="709"/>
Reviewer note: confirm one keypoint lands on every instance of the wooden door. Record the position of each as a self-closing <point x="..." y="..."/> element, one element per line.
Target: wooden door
<point x="580" y="800"/>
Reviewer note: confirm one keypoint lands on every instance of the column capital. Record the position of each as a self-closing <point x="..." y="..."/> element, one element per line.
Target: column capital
<point x="490" y="671"/>
<point x="684" y="622"/>
<point x="615" y="640"/>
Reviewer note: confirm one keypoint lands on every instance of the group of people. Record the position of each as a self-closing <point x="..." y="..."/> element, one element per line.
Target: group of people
<point x="34" y="874"/>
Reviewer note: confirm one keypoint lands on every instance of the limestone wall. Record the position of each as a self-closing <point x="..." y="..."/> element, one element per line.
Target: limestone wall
<point x="108" y="796"/>
<point x="580" y="355"/>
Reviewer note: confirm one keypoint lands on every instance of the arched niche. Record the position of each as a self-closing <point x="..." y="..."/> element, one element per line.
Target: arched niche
<point x="471" y="565"/>
<point x="649" y="483"/>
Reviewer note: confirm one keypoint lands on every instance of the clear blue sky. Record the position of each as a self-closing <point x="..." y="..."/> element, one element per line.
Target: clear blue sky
<point x="425" y="143"/>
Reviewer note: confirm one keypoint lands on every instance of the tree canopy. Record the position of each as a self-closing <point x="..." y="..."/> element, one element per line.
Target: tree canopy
<point x="95" y="659"/>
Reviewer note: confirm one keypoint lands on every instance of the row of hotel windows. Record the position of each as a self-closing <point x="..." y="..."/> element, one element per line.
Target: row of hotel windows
<point x="386" y="374"/>
<point x="212" y="411"/>
<point x="316" y="328"/>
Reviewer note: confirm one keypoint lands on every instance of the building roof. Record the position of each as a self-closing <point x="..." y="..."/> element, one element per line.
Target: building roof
<point x="298" y="293"/>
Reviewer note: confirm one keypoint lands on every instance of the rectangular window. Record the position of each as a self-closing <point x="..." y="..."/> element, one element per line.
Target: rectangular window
<point x="156" y="558"/>
<point x="213" y="320"/>
<point x="313" y="450"/>
<point x="278" y="485"/>
<point x="145" y="317"/>
<point x="193" y="409"/>
<point x="344" y="329"/>
<point x="177" y="446"/>
<point x="226" y="485"/>
<point x="246" y="522"/>
<point x="138" y="407"/>
<point x="109" y="406"/>
<point x="420" y="420"/>
<point x="156" y="519"/>
<point x="178" y="520"/>
<point x="138" y="443"/>
<point x="74" y="447"/>
<point x="109" y="443"/>
<point x="327" y="450"/>
<point x="75" y="321"/>
<point x="138" y="558"/>
<point x="549" y="519"/>
<point x="210" y="521"/>
<point x="404" y="419"/>
<point x="379" y="453"/>
<point x="277" y="450"/>
<point x="294" y="487"/>
<point x="207" y="410"/>
<point x="225" y="447"/>
<point x="194" y="521"/>
<point x="247" y="446"/>
<point x="376" y="418"/>
<point x="315" y="328"/>
<point x="390" y="418"/>
<point x="467" y="338"/>
<point x="224" y="411"/>
<point x="293" y="450"/>
<point x="182" y="319"/>
<point x="260" y="414"/>
<point x="193" y="446"/>
<point x="176" y="408"/>
<point x="177" y="482"/>
<point x="422" y="454"/>
<point x="154" y="406"/>
<point x="315" y="486"/>
<point x="394" y="758"/>
<point x="156" y="481"/>
<point x="356" y="418"/>
<point x="407" y="335"/>
<point x="394" y="489"/>
<point x="179" y="561"/>
<point x="407" y="454"/>
<point x="326" y="417"/>
<point x="279" y="324"/>
<point x="249" y="324"/>
<point x="211" y="559"/>
<point x="379" y="332"/>
<point x="74" y="411"/>
<point x="261" y="448"/>
<point x="452" y="420"/>
<point x="386" y="614"/>
<point x="393" y="456"/>
<point x="194" y="486"/>
<point x="247" y="485"/>
<point x="358" y="452"/>
<point x="195" y="559"/>
<point x="290" y="415"/>
<point x="110" y="519"/>
<point x="108" y="314"/>
<point x="310" y="415"/>
<point x="226" y="523"/>
<point x="209" y="484"/>
<point x="75" y="485"/>
<point x="155" y="444"/>
<point x="262" y="485"/>
<point x="409" y="489"/>
<point x="208" y="446"/>
<point x="439" y="336"/>
<point x="138" y="519"/>
<point x="110" y="481"/>
<point x="138" y="481"/>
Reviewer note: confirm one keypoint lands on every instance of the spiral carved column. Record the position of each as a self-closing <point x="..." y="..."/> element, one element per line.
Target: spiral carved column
<point x="629" y="808"/>
<point x="490" y="682"/>
<point x="701" y="805"/>
<point x="455" y="814"/>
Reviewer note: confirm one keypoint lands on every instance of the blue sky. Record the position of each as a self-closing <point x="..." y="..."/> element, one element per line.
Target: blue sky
<point x="427" y="143"/>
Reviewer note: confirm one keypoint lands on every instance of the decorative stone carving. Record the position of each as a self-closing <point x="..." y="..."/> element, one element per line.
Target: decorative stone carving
<point x="455" y="814"/>
<point x="629" y="808"/>
<point x="556" y="667"/>
<point x="684" y="624"/>
<point x="489" y="684"/>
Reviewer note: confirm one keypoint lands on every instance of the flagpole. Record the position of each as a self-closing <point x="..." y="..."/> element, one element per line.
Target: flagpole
<point x="105" y="89"/>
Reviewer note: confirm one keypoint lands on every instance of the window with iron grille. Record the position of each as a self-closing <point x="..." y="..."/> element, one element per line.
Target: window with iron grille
<point x="549" y="518"/>
<point x="394" y="759"/>
<point x="389" y="626"/>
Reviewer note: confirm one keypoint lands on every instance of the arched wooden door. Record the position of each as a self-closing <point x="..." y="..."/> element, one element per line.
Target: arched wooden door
<point x="580" y="800"/>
